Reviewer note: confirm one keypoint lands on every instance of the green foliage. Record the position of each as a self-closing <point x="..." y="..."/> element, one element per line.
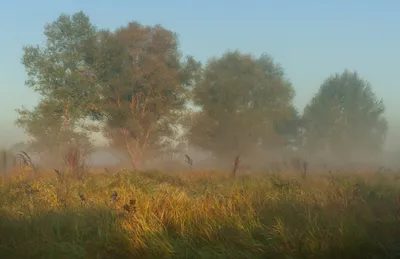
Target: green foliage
<point x="132" y="81"/>
<point x="345" y="116"/>
<point x="46" y="125"/>
<point x="55" y="72"/>
<point x="143" y="84"/>
<point x="243" y="100"/>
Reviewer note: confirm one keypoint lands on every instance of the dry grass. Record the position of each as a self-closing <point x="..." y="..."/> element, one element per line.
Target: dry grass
<point x="200" y="215"/>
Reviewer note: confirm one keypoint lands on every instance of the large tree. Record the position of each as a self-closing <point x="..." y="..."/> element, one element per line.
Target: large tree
<point x="345" y="117"/>
<point x="245" y="103"/>
<point x="143" y="86"/>
<point x="54" y="71"/>
<point x="132" y="81"/>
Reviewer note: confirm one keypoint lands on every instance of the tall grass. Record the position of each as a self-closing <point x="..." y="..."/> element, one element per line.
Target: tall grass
<point x="201" y="215"/>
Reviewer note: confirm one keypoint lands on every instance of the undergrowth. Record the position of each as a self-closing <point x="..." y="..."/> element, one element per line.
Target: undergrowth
<point x="200" y="215"/>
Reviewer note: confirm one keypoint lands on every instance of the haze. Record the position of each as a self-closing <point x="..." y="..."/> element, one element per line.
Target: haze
<point x="311" y="40"/>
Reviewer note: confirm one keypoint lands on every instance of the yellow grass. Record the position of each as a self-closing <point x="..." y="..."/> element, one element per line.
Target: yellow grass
<point x="200" y="215"/>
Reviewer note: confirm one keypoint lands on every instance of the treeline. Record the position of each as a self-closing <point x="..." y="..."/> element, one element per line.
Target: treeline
<point x="134" y="86"/>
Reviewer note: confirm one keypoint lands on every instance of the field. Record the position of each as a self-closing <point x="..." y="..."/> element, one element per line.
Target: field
<point x="200" y="215"/>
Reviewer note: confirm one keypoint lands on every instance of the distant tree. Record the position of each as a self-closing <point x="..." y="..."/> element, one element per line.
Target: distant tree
<point x="55" y="72"/>
<point x="245" y="103"/>
<point x="291" y="128"/>
<point x="345" y="117"/>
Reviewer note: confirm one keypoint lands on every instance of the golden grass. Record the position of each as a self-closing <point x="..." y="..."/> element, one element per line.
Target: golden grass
<point x="200" y="215"/>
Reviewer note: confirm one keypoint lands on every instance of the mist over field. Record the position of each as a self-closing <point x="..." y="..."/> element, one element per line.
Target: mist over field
<point x="133" y="90"/>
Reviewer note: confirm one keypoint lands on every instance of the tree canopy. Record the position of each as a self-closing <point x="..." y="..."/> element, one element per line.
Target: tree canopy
<point x="242" y="100"/>
<point x="54" y="71"/>
<point x="132" y="81"/>
<point x="143" y="83"/>
<point x="345" y="116"/>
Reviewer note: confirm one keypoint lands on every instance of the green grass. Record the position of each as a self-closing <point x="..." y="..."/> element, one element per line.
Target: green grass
<point x="201" y="215"/>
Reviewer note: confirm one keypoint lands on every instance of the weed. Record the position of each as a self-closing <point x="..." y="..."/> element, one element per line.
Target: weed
<point x="189" y="161"/>
<point x="236" y="164"/>
<point x="75" y="162"/>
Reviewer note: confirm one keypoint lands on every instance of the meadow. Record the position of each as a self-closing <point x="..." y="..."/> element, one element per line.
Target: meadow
<point x="200" y="214"/>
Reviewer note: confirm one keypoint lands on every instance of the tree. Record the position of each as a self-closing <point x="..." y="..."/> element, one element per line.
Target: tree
<point x="291" y="128"/>
<point x="242" y="100"/>
<point x="132" y="82"/>
<point x="345" y="117"/>
<point x="45" y="124"/>
<point x="143" y="84"/>
<point x="55" y="72"/>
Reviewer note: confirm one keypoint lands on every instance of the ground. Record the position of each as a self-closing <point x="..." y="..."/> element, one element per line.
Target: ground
<point x="200" y="215"/>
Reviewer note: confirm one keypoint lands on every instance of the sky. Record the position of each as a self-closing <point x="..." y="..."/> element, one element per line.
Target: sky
<point x="310" y="39"/>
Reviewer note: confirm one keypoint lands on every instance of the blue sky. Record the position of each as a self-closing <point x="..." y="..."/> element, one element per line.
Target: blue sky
<point x="311" y="39"/>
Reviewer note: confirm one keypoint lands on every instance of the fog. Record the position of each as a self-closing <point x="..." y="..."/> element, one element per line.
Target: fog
<point x="258" y="104"/>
